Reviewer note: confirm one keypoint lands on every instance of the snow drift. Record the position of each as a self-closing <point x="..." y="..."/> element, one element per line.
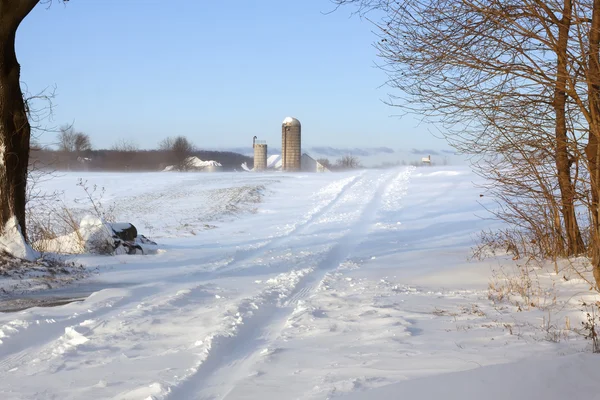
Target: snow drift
<point x="195" y="163"/>
<point x="13" y="242"/>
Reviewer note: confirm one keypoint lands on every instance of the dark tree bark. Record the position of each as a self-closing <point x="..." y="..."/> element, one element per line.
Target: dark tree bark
<point x="592" y="149"/>
<point x="14" y="125"/>
<point x="563" y="164"/>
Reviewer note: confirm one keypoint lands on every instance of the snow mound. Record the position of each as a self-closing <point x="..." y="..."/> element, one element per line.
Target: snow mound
<point x="245" y="167"/>
<point x="13" y="242"/>
<point x="195" y="162"/>
<point x="93" y="236"/>
<point x="95" y="233"/>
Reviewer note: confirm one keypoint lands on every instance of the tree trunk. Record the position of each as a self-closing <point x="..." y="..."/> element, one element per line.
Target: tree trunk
<point x="14" y="125"/>
<point x="563" y="165"/>
<point x="592" y="149"/>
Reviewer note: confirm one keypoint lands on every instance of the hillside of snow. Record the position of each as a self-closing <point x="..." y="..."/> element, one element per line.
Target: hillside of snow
<point x="293" y="286"/>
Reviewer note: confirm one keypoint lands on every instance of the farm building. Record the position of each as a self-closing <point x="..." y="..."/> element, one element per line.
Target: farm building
<point x="309" y="164"/>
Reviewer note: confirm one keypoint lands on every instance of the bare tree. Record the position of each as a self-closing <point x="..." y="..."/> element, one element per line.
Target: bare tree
<point x="66" y="138"/>
<point x="563" y="163"/>
<point x="124" y="154"/>
<point x="166" y="144"/>
<point x="325" y="162"/>
<point x="182" y="149"/>
<point x="15" y="131"/>
<point x="125" y="146"/>
<point x="179" y="149"/>
<point x="515" y="84"/>
<point x="39" y="108"/>
<point x="82" y="142"/>
<point x="71" y="141"/>
<point x="488" y="70"/>
<point x="348" y="162"/>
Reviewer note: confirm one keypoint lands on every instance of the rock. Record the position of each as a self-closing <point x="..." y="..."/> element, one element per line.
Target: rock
<point x="127" y="241"/>
<point x="128" y="248"/>
<point x="144" y="240"/>
<point x="124" y="231"/>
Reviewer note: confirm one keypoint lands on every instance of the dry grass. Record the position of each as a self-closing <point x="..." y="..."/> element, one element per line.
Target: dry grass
<point x="518" y="283"/>
<point x="52" y="219"/>
<point x="589" y="327"/>
<point x="520" y="286"/>
<point x="516" y="243"/>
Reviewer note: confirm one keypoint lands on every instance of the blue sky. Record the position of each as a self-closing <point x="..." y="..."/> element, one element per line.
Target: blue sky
<point x="216" y="72"/>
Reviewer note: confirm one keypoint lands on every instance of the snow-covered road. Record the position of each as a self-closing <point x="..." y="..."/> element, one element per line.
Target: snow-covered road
<point x="271" y="286"/>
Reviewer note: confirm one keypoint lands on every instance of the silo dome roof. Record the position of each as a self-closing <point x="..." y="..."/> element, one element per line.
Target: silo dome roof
<point x="290" y="121"/>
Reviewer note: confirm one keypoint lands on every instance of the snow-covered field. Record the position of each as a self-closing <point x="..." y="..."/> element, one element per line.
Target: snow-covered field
<point x="296" y="286"/>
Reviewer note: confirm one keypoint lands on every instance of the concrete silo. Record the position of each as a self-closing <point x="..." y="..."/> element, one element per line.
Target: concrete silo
<point x="260" y="154"/>
<point x="291" y="152"/>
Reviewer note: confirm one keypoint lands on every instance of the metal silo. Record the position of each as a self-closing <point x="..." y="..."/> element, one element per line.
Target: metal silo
<point x="260" y="154"/>
<point x="291" y="152"/>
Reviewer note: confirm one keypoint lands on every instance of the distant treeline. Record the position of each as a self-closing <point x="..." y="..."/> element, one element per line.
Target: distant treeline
<point x="119" y="160"/>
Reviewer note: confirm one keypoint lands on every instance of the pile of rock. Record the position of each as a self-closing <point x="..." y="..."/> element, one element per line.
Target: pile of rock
<point x="127" y="241"/>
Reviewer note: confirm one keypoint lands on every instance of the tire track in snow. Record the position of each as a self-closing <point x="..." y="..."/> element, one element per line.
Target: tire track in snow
<point x="299" y="295"/>
<point x="64" y="327"/>
<point x="323" y="204"/>
<point x="342" y="249"/>
<point x="37" y="338"/>
<point x="30" y="335"/>
<point x="71" y="343"/>
<point x="391" y="199"/>
<point x="232" y="357"/>
<point x="309" y="218"/>
<point x="27" y="342"/>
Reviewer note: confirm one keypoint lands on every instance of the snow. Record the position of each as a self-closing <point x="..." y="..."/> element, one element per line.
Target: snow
<point x="565" y="377"/>
<point x="296" y="286"/>
<point x="194" y="162"/>
<point x="120" y="226"/>
<point x="94" y="232"/>
<point x="13" y="243"/>
<point x="274" y="161"/>
<point x="198" y="163"/>
<point x="290" y="120"/>
<point x="92" y="236"/>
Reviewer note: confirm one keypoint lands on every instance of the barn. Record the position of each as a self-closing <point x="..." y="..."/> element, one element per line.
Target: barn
<point x="309" y="164"/>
